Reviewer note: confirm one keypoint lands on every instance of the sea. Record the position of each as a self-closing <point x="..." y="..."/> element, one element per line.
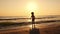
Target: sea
<point x="13" y="22"/>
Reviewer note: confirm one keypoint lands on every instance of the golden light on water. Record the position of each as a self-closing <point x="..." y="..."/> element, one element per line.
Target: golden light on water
<point x="29" y="20"/>
<point x="30" y="26"/>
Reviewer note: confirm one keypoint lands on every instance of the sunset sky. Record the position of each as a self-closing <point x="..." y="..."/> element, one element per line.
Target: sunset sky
<point x="25" y="7"/>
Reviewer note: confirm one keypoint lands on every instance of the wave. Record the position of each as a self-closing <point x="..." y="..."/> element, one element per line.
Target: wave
<point x="8" y="22"/>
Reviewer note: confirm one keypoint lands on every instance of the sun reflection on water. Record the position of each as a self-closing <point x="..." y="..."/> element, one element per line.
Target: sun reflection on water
<point x="29" y="20"/>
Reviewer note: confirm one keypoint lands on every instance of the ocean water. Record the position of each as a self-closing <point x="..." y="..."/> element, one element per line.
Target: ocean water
<point x="18" y="19"/>
<point x="16" y="22"/>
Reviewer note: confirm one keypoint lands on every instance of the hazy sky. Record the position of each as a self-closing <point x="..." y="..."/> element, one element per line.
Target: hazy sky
<point x="19" y="7"/>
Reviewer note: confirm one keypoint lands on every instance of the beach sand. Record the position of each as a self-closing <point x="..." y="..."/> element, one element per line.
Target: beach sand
<point x="43" y="29"/>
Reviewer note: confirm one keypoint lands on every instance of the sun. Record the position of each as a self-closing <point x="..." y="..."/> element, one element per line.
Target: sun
<point x="31" y="6"/>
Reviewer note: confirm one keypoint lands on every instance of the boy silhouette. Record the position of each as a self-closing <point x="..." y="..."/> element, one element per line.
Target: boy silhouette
<point x="33" y="20"/>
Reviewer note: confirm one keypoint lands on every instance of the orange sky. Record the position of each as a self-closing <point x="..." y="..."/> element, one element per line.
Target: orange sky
<point x="19" y="7"/>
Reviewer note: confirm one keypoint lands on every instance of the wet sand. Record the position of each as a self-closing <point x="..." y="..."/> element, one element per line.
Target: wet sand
<point x="45" y="28"/>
